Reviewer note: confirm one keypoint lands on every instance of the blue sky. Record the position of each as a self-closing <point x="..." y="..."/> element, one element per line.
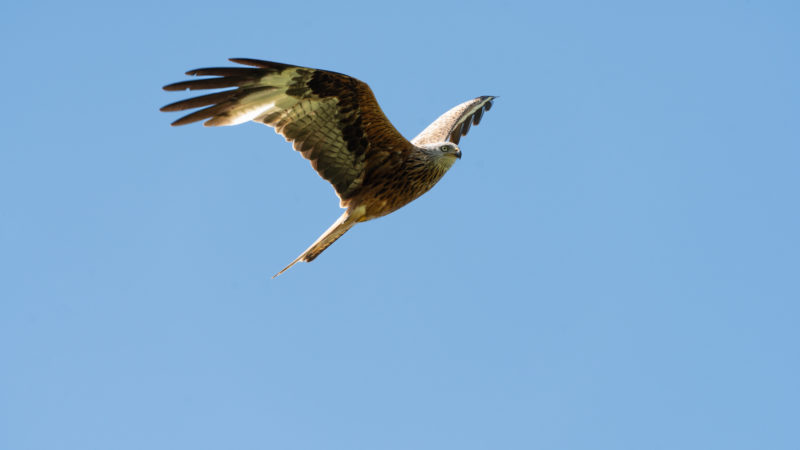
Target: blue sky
<point x="612" y="265"/>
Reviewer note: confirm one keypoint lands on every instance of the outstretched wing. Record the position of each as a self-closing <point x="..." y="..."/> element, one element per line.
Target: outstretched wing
<point x="331" y="118"/>
<point x="455" y="123"/>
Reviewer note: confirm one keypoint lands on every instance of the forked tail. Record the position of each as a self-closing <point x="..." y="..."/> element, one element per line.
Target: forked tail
<point x="340" y="227"/>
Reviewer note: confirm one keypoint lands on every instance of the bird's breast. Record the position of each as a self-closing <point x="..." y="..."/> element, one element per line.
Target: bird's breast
<point x="389" y="190"/>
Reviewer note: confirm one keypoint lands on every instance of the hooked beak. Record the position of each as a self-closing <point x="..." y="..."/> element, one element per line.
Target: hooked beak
<point x="458" y="154"/>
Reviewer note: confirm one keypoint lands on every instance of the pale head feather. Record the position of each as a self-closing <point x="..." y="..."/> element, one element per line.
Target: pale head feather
<point x="443" y="154"/>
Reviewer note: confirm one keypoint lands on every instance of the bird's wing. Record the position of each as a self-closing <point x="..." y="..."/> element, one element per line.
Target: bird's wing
<point x="455" y="123"/>
<point x="331" y="118"/>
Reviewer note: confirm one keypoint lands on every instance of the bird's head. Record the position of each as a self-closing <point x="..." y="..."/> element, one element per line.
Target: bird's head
<point x="443" y="153"/>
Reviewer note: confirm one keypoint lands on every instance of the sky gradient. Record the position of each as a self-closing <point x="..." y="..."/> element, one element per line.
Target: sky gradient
<point x="613" y="264"/>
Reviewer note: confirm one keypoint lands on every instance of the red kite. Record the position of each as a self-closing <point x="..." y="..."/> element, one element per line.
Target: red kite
<point x="334" y="121"/>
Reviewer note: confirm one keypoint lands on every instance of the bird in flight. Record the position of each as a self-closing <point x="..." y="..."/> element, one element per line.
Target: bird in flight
<point x="335" y="122"/>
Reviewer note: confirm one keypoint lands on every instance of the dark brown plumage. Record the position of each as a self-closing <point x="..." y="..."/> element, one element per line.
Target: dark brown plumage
<point x="335" y="122"/>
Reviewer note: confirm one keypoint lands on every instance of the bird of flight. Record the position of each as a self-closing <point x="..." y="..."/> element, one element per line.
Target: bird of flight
<point x="335" y="122"/>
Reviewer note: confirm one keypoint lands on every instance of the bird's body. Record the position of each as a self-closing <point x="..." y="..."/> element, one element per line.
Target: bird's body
<point x="400" y="179"/>
<point x="336" y="123"/>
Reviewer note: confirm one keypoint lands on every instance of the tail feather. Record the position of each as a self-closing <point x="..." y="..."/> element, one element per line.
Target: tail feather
<point x="340" y="227"/>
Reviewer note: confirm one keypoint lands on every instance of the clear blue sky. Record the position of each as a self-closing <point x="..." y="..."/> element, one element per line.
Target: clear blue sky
<point x="614" y="263"/>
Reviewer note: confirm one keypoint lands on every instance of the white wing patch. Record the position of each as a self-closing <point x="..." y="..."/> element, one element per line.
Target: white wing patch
<point x="245" y="113"/>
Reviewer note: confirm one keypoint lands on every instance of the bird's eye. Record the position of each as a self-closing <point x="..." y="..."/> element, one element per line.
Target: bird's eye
<point x="444" y="148"/>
